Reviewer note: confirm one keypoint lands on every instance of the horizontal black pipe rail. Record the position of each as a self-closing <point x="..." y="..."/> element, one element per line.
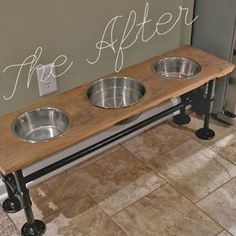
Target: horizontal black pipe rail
<point x="67" y="160"/>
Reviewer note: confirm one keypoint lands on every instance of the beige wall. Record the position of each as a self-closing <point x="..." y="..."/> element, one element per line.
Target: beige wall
<point x="72" y="27"/>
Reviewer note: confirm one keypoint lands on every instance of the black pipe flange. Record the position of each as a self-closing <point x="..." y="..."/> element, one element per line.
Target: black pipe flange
<point x="205" y="134"/>
<point x="181" y="119"/>
<point x="11" y="205"/>
<point x="37" y="228"/>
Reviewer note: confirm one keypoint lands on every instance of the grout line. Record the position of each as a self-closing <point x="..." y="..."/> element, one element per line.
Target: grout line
<point x="86" y="193"/>
<point x="111" y="219"/>
<point x="139" y="199"/>
<point x="167" y="182"/>
<point x="149" y="171"/>
<point x="215" y="190"/>
<point x="220" y="232"/>
<point x="210" y="147"/>
<point x="161" y="185"/>
<point x="157" y="155"/>
<point x="223" y="231"/>
<point x="225" y="157"/>
<point x="195" y="205"/>
<point x="95" y="204"/>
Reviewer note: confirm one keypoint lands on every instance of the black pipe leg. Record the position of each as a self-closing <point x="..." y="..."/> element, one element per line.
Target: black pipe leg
<point x="182" y="118"/>
<point x="206" y="133"/>
<point x="32" y="227"/>
<point x="12" y="203"/>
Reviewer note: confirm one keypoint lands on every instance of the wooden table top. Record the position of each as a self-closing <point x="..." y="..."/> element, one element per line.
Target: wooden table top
<point x="89" y="120"/>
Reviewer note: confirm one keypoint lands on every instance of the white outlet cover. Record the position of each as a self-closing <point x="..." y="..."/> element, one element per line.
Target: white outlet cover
<point x="47" y="82"/>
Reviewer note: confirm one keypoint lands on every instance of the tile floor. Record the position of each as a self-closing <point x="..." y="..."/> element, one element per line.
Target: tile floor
<point x="162" y="182"/>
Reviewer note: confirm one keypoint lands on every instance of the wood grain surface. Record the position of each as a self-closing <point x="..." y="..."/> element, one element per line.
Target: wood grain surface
<point x="89" y="120"/>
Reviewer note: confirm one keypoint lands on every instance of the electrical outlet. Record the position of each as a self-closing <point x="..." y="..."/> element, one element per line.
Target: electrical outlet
<point x="47" y="82"/>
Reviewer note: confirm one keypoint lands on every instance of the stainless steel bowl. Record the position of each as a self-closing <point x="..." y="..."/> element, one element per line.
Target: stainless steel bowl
<point x="115" y="92"/>
<point x="177" y="68"/>
<point x="41" y="125"/>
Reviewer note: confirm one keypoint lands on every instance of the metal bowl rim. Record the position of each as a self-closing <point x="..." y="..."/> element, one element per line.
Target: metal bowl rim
<point x="45" y="140"/>
<point x="115" y="77"/>
<point x="183" y="58"/>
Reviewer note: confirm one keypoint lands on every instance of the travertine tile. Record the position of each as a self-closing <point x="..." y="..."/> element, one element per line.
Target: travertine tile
<point x="224" y="141"/>
<point x="221" y="205"/>
<point x="51" y="198"/>
<point x="193" y="169"/>
<point x="92" y="222"/>
<point x="75" y="208"/>
<point x="229" y="152"/>
<point x="56" y="193"/>
<point x="224" y="233"/>
<point x="82" y="217"/>
<point x="117" y="180"/>
<point x="58" y="219"/>
<point x="165" y="212"/>
<point x="131" y="193"/>
<point x="156" y="141"/>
